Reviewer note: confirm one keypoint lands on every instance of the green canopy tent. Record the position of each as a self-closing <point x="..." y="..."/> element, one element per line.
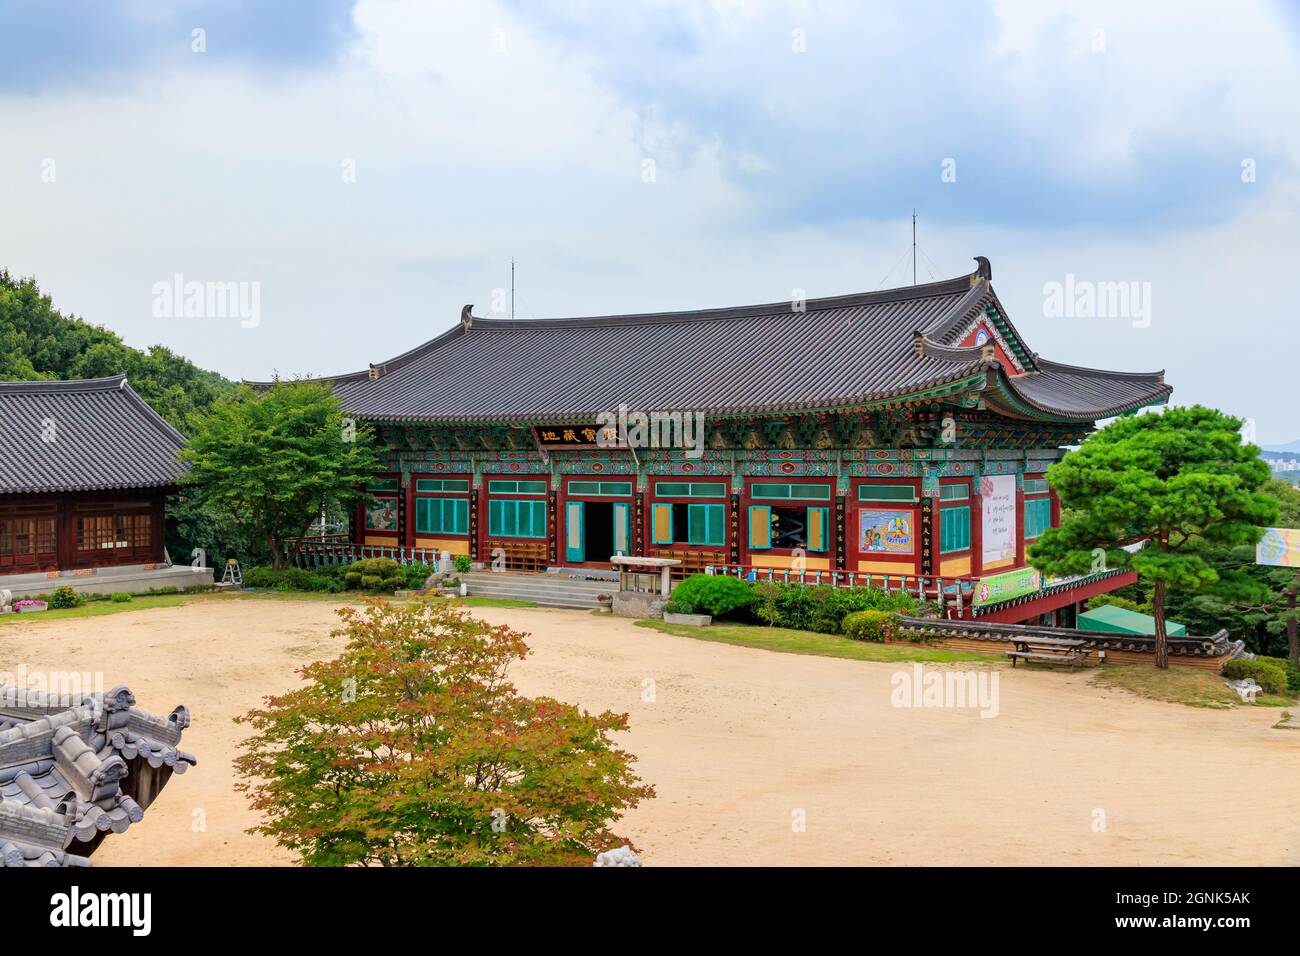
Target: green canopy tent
<point x="1117" y="620"/>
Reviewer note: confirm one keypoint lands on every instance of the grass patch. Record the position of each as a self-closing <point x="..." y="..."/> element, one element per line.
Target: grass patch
<point x="98" y="608"/>
<point x="787" y="641"/>
<point x="472" y="601"/>
<point x="1273" y="700"/>
<point x="1191" y="686"/>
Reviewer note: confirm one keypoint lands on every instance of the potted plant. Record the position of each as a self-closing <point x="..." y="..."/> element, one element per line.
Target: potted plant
<point x="682" y="612"/>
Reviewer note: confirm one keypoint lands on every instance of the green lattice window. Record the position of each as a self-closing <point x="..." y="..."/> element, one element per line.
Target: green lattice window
<point x="508" y="518"/>
<point x="954" y="529"/>
<point x="442" y="515"/>
<point x="1038" y="516"/>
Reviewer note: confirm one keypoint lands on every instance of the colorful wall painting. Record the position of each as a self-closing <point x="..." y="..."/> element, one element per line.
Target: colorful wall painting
<point x="885" y="532"/>
<point x="381" y="515"/>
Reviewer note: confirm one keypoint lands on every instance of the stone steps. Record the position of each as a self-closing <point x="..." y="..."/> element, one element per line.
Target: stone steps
<point x="547" y="590"/>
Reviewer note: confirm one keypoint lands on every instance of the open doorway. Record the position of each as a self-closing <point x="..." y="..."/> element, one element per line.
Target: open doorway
<point x="595" y="530"/>
<point x="598" y="536"/>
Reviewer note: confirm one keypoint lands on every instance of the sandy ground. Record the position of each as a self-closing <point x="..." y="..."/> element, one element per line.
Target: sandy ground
<point x="741" y="744"/>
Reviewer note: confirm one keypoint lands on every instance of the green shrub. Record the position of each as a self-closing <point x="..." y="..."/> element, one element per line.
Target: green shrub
<point x="767" y="594"/>
<point x="1291" y="670"/>
<point x="375" y="574"/>
<point x="1268" y="675"/>
<point x="869" y="625"/>
<point x="823" y="608"/>
<point x="120" y="597"/>
<point x="675" y="606"/>
<point x="713" y="594"/>
<point x="285" y="579"/>
<point x="63" y="597"/>
<point x="463" y="564"/>
<point x="416" y="574"/>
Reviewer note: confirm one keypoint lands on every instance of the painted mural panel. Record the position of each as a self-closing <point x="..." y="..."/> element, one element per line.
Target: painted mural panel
<point x="381" y="515"/>
<point x="885" y="531"/>
<point x="999" y="514"/>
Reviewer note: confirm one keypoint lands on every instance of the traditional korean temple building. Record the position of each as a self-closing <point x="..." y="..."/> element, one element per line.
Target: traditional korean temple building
<point x="901" y="433"/>
<point x="85" y="469"/>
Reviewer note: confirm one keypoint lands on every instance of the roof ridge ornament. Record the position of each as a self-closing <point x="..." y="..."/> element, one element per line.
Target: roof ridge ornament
<point x="983" y="270"/>
<point x="467" y="316"/>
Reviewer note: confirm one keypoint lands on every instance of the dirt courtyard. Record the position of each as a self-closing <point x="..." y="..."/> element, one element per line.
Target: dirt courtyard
<point x="757" y="757"/>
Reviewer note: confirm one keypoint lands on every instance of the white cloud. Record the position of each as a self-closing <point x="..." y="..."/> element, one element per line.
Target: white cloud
<point x="466" y="157"/>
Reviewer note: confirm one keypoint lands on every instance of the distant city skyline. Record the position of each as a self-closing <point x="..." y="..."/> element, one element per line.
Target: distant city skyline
<point x="361" y="171"/>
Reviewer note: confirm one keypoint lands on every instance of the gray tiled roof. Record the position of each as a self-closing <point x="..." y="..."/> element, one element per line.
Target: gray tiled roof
<point x="835" y="352"/>
<point x="64" y="760"/>
<point x="83" y="435"/>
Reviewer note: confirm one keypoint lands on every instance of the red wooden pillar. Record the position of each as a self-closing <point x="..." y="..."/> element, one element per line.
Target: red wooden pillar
<point x="408" y="526"/>
<point x="976" y="528"/>
<point x="1056" y="509"/>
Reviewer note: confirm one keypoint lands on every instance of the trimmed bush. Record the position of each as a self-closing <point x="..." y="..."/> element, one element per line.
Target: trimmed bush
<point x="869" y="625"/>
<point x="463" y="564"/>
<point x="120" y="597"/>
<point x="713" y="594"/>
<point x="63" y="597"/>
<point x="1291" y="670"/>
<point x="1268" y="675"/>
<point x="375" y="574"/>
<point x="675" y="606"/>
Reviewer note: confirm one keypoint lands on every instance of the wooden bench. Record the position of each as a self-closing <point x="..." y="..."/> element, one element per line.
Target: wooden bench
<point x="1050" y="650"/>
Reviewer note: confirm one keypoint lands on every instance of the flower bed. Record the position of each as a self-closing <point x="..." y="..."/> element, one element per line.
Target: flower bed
<point x="29" y="606"/>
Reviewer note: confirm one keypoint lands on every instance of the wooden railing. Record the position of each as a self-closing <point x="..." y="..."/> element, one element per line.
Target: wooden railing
<point x="950" y="594"/>
<point x="322" y="550"/>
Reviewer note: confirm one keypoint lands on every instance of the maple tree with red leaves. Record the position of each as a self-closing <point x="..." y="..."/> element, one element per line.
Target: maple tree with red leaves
<point x="412" y="748"/>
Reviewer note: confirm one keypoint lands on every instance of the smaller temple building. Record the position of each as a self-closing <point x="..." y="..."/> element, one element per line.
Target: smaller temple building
<point x="85" y="469"/>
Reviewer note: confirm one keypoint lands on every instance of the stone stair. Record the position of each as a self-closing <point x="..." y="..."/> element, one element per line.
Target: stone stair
<point x="549" y="589"/>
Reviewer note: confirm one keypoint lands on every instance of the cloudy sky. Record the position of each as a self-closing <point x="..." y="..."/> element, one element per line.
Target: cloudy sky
<point x="373" y="166"/>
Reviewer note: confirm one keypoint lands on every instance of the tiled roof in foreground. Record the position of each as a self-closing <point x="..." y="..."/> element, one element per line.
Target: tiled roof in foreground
<point x="843" y="352"/>
<point x="67" y="764"/>
<point x="92" y="434"/>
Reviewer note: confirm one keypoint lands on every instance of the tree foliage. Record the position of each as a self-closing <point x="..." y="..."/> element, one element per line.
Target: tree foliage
<point x="270" y="463"/>
<point x="1250" y="600"/>
<point x="1181" y="481"/>
<point x="38" y="341"/>
<point x="412" y="748"/>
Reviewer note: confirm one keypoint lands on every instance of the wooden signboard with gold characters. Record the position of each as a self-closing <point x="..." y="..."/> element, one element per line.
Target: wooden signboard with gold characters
<point x="577" y="435"/>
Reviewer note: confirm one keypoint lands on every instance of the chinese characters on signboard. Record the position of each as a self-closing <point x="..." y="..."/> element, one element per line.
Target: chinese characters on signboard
<point x="575" y="436"/>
